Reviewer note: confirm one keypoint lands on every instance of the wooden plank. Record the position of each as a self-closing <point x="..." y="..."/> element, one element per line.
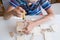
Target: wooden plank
<point x="1" y="8"/>
<point x="53" y="1"/>
<point x="58" y="1"/>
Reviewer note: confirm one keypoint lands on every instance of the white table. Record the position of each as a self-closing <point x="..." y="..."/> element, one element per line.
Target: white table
<point x="9" y="25"/>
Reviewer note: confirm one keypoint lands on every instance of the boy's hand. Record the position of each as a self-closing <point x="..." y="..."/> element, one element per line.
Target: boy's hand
<point x="29" y="27"/>
<point x="19" y="12"/>
<point x="16" y="12"/>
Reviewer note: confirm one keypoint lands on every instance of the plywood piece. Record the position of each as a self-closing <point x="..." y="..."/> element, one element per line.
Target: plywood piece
<point x="20" y="38"/>
<point x="20" y="27"/>
<point x="11" y="34"/>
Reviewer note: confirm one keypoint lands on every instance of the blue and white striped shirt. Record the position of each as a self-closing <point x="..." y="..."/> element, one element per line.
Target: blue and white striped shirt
<point x="34" y="9"/>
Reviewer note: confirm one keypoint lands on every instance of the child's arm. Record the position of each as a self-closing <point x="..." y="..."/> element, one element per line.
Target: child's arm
<point x="7" y="15"/>
<point x="47" y="6"/>
<point x="40" y="21"/>
<point x="47" y="17"/>
<point x="17" y="11"/>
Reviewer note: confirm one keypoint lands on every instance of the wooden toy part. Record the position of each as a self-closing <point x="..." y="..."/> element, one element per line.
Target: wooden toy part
<point x="11" y="34"/>
<point x="23" y="15"/>
<point x="46" y="30"/>
<point x="43" y="34"/>
<point x="20" y="27"/>
<point x="20" y="38"/>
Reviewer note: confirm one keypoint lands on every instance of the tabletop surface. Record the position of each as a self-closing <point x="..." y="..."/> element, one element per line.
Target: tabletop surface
<point x="9" y="25"/>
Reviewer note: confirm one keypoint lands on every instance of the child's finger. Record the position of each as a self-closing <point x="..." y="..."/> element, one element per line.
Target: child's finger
<point x="22" y="10"/>
<point x="26" y="32"/>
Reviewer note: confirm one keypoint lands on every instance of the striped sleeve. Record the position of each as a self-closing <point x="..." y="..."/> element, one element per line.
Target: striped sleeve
<point x="14" y="3"/>
<point x="45" y="4"/>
